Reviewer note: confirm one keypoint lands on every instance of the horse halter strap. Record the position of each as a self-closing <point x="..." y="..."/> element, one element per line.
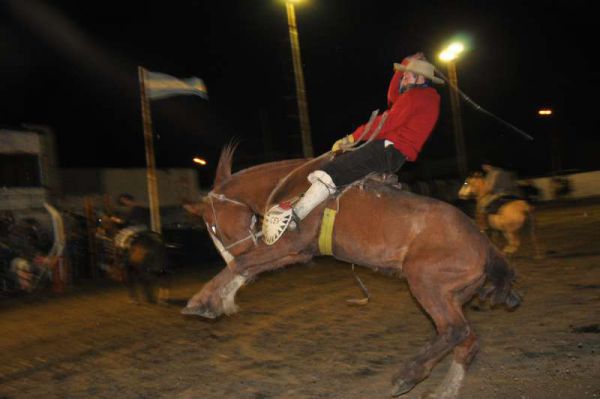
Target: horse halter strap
<point x="251" y="235"/>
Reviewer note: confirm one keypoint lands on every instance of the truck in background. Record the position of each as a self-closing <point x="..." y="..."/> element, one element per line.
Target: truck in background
<point x="29" y="174"/>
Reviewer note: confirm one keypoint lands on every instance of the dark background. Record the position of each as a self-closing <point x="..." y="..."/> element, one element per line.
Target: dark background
<point x="72" y="65"/>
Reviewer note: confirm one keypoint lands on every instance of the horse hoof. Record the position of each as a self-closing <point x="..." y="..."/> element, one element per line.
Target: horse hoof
<point x="201" y="311"/>
<point x="401" y="387"/>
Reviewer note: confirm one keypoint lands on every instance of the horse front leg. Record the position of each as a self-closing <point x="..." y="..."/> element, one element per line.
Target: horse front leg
<point x="287" y="249"/>
<point x="217" y="297"/>
<point x="252" y="270"/>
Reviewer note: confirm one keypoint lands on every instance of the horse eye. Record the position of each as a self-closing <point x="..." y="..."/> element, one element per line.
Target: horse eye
<point x="253" y="221"/>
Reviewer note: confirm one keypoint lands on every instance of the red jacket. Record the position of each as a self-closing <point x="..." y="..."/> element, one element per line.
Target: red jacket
<point x="411" y="118"/>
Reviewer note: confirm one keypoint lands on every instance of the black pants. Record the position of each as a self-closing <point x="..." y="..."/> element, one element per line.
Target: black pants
<point x="373" y="157"/>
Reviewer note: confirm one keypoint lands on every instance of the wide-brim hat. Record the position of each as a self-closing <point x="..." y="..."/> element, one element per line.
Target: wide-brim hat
<point x="420" y="67"/>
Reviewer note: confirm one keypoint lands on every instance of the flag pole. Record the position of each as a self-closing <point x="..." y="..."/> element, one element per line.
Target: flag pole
<point x="150" y="162"/>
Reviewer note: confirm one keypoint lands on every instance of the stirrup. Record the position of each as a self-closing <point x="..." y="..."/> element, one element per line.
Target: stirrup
<point x="295" y="222"/>
<point x="276" y="222"/>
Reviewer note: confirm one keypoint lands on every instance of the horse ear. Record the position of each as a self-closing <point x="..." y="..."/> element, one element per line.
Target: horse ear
<point x="224" y="166"/>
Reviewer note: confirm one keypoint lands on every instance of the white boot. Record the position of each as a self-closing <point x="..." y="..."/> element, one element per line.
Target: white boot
<point x="322" y="186"/>
<point x="283" y="216"/>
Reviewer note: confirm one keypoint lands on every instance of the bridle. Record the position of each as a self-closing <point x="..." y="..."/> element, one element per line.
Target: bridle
<point x="217" y="235"/>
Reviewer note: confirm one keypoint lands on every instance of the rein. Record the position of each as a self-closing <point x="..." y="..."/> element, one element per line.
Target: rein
<point x="252" y="235"/>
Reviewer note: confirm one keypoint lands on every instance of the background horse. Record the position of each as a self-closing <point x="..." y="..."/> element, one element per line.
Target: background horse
<point x="509" y="219"/>
<point x="440" y="252"/>
<point x="138" y="257"/>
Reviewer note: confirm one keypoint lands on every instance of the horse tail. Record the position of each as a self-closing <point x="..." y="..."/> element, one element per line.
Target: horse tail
<point x="500" y="277"/>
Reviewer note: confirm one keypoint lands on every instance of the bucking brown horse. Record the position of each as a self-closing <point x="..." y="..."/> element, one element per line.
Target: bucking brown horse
<point x="442" y="254"/>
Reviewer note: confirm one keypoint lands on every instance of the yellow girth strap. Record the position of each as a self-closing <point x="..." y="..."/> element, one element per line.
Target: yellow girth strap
<point x="326" y="233"/>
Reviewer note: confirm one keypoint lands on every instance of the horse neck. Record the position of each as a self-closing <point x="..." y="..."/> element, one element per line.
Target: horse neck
<point x="480" y="192"/>
<point x="254" y="185"/>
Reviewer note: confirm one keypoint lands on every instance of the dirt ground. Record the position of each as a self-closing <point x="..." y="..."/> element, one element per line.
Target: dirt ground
<point x="295" y="337"/>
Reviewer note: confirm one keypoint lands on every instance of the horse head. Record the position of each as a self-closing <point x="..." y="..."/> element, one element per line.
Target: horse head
<point x="230" y="220"/>
<point x="472" y="187"/>
<point x="231" y="212"/>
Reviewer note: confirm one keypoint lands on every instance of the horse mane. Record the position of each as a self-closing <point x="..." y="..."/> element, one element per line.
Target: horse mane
<point x="223" y="173"/>
<point x="295" y="182"/>
<point x="260" y="168"/>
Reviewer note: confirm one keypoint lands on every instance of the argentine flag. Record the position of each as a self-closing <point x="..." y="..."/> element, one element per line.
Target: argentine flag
<point x="161" y="85"/>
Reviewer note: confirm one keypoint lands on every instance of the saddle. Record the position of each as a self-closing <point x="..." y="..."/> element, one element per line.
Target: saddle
<point x="278" y="218"/>
<point x="492" y="207"/>
<point x="376" y="179"/>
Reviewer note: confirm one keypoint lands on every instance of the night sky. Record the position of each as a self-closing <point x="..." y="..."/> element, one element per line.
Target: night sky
<point x="72" y="65"/>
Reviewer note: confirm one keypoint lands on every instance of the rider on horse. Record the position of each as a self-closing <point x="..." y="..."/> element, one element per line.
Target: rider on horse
<point x="413" y="110"/>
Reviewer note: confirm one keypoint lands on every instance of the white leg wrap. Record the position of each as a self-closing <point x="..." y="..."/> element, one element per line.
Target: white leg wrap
<point x="322" y="186"/>
<point x="228" y="294"/>
<point x="452" y="383"/>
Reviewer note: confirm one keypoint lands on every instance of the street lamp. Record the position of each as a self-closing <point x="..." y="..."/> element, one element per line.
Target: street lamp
<point x="545" y="115"/>
<point x="307" y="148"/>
<point x="199" y="161"/>
<point x="449" y="55"/>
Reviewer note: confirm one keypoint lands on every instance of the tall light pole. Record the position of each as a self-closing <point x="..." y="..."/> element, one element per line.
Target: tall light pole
<point x="307" y="148"/>
<point x="449" y="55"/>
<point x="545" y="115"/>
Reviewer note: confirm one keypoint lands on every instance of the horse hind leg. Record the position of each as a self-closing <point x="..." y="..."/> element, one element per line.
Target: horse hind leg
<point x="452" y="327"/>
<point x="453" y="380"/>
<point x="464" y="353"/>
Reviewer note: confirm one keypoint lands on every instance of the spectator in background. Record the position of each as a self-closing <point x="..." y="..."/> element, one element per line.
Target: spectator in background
<point x="144" y="254"/>
<point x="135" y="214"/>
<point x="147" y="269"/>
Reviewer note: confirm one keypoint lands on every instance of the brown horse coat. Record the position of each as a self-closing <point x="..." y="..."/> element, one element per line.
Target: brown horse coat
<point x="440" y="252"/>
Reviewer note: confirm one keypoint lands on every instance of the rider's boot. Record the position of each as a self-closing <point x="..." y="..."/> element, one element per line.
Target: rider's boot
<point x="283" y="216"/>
<point x="322" y="186"/>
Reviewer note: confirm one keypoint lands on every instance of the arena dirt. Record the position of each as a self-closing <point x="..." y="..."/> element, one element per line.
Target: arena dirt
<point x="295" y="337"/>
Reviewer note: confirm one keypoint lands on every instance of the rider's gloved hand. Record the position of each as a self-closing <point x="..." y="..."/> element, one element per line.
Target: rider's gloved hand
<point x="342" y="143"/>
